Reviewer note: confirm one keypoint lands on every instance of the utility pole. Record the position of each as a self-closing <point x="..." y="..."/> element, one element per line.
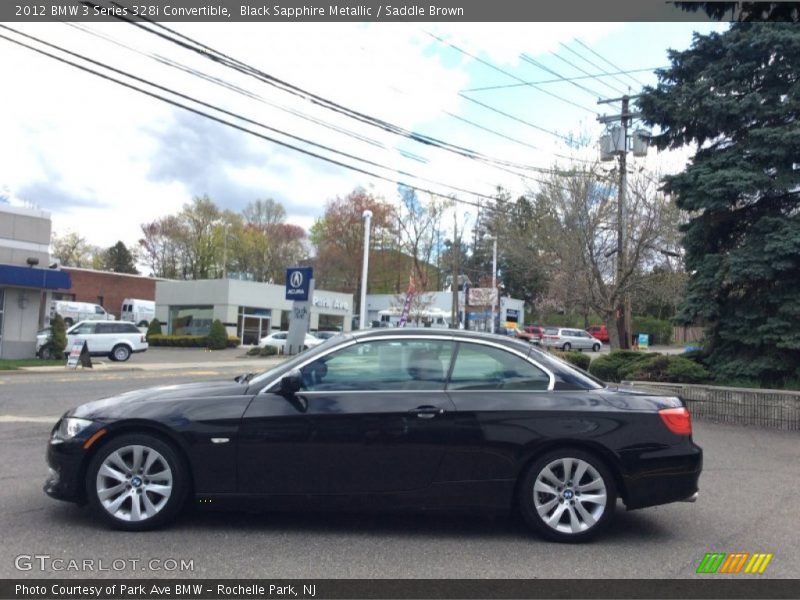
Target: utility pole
<point x="362" y="316"/>
<point x="456" y="254"/>
<point x="619" y="146"/>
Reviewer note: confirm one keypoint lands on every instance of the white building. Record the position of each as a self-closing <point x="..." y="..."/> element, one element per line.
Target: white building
<point x="249" y="310"/>
<point x="25" y="279"/>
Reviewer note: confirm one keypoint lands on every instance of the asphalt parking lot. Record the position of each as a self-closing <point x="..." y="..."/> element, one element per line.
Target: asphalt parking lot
<point x="747" y="504"/>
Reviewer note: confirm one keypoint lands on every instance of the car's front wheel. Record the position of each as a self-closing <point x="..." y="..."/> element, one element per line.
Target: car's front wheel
<point x="596" y="348"/>
<point x="567" y="347"/>
<point x="120" y="353"/>
<point x="136" y="482"/>
<point x="567" y="495"/>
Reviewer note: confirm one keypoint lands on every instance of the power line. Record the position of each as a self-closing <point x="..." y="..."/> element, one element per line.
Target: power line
<point x="605" y="60"/>
<point x="596" y="66"/>
<point x="234" y="125"/>
<point x="598" y="76"/>
<point x="227" y="61"/>
<point x="536" y="63"/>
<point x="584" y="71"/>
<point x="508" y="74"/>
<point x="512" y="117"/>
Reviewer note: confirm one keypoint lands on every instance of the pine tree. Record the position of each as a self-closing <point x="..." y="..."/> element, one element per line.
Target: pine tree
<point x="119" y="259"/>
<point x="736" y="95"/>
<point x="217" y="336"/>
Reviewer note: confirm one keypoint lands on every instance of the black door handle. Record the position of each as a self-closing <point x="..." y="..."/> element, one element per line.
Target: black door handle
<point x="427" y="412"/>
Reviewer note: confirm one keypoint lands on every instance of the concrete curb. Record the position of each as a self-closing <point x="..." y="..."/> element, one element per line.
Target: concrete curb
<point x="249" y="364"/>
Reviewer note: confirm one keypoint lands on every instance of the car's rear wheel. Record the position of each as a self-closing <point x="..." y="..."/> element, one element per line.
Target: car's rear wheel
<point x="136" y="482"/>
<point x="567" y="495"/>
<point x="567" y="347"/>
<point x="596" y="348"/>
<point x="120" y="353"/>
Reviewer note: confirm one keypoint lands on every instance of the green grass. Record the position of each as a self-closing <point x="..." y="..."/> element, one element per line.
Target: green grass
<point x="13" y="365"/>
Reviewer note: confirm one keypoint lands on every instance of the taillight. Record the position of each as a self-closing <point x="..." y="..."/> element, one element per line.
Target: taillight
<point x="677" y="420"/>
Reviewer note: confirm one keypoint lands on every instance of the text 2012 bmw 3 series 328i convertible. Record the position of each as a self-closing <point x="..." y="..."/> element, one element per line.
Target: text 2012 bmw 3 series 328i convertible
<point x="388" y="419"/>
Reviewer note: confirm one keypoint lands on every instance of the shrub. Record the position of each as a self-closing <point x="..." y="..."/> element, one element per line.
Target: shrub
<point x="254" y="351"/>
<point x="660" y="331"/>
<point x="610" y="366"/>
<point x="217" y="336"/>
<point x="56" y="343"/>
<point x="579" y="359"/>
<point x="268" y="351"/>
<point x="233" y="341"/>
<point x="154" y="328"/>
<point x="673" y="368"/>
<point x="180" y="341"/>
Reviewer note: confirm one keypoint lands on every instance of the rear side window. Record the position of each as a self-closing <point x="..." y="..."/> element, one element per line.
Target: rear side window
<point x="105" y="328"/>
<point x="479" y="367"/>
<point x="551" y="331"/>
<point x="127" y="328"/>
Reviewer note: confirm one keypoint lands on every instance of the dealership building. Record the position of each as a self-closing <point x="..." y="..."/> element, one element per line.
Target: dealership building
<point x="383" y="310"/>
<point x="249" y="309"/>
<point x="26" y="281"/>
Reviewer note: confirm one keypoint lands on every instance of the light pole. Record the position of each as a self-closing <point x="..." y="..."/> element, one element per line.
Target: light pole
<point x="494" y="279"/>
<point x="362" y="317"/>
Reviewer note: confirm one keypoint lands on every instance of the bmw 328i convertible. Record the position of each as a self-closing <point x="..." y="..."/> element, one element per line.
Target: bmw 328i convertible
<point x="384" y="419"/>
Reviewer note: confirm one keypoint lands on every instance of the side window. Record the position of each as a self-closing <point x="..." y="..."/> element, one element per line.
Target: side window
<point x="280" y="336"/>
<point x="85" y="329"/>
<point x="127" y="328"/>
<point x="105" y="328"/>
<point x="382" y="365"/>
<point x="98" y="310"/>
<point x="480" y="367"/>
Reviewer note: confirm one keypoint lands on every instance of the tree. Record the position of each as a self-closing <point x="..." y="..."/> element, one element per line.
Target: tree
<point x="119" y="259"/>
<point x="56" y="341"/>
<point x="217" y="336"/>
<point x="418" y="227"/>
<point x="580" y="210"/>
<point x="72" y="250"/>
<point x="338" y="237"/>
<point x="154" y="328"/>
<point x="163" y="246"/>
<point x="736" y="96"/>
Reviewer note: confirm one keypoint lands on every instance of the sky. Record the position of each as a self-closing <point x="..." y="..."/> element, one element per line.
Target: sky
<point x="103" y="159"/>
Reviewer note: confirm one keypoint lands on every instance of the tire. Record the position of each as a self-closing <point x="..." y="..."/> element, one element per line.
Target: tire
<point x="130" y="500"/>
<point x="543" y="492"/>
<point x="120" y="353"/>
<point x="596" y="348"/>
<point x="68" y="322"/>
<point x="566" y="347"/>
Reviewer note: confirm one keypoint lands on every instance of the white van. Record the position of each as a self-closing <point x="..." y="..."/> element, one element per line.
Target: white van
<point x="138" y="311"/>
<point x="72" y="312"/>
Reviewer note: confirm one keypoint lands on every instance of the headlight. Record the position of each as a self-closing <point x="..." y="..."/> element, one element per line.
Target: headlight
<point x="71" y="426"/>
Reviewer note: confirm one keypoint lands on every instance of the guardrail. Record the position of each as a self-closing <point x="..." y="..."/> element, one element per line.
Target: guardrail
<point x="777" y="409"/>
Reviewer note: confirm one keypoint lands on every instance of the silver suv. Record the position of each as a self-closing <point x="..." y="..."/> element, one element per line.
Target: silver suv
<point x="115" y="339"/>
<point x="570" y="339"/>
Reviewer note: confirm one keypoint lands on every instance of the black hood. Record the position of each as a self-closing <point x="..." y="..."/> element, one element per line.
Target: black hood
<point x="160" y="400"/>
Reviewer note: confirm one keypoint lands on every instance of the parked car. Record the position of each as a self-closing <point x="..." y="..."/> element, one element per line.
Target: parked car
<point x="599" y="331"/>
<point x="72" y="312"/>
<point x="278" y="340"/>
<point x="425" y="418"/>
<point x="117" y="340"/>
<point x="138" y="311"/>
<point x="570" y="339"/>
<point x="41" y="339"/>
<point x="326" y="335"/>
<point x="535" y="332"/>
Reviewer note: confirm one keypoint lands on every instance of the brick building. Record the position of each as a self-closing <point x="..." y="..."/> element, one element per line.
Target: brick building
<point x="106" y="288"/>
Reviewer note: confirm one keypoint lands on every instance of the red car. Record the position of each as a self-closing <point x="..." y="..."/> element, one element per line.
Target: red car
<point x="534" y="332"/>
<point x="599" y="331"/>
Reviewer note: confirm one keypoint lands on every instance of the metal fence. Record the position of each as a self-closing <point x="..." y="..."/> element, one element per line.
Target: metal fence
<point x="776" y="409"/>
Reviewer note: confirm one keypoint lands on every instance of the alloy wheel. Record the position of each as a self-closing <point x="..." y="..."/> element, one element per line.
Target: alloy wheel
<point x="134" y="483"/>
<point x="570" y="495"/>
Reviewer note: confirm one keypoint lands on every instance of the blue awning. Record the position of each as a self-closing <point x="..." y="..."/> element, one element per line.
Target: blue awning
<point x="31" y="277"/>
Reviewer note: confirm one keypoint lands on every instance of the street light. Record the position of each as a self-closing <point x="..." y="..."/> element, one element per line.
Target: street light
<point x="362" y="317"/>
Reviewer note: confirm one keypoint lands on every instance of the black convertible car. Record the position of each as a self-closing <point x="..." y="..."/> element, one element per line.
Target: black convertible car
<point x="384" y="419"/>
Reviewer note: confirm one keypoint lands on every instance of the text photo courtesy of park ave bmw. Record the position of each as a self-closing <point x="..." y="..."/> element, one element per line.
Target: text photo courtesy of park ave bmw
<point x="453" y="299"/>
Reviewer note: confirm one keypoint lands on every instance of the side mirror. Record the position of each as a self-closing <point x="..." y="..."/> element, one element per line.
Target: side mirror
<point x="291" y="383"/>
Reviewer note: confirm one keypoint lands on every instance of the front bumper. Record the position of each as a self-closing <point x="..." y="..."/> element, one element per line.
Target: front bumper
<point x="66" y="462"/>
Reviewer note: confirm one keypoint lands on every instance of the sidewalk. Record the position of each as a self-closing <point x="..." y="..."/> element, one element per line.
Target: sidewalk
<point x="169" y="359"/>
